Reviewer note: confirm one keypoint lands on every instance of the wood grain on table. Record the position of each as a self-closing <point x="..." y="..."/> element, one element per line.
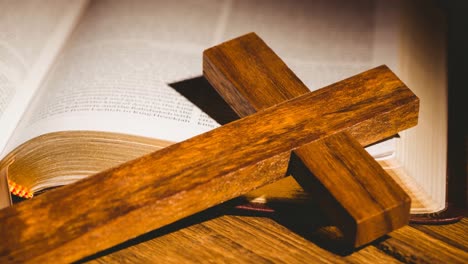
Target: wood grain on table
<point x="221" y="235"/>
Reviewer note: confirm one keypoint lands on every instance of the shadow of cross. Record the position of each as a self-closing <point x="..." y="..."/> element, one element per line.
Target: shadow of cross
<point x="325" y="129"/>
<point x="349" y="185"/>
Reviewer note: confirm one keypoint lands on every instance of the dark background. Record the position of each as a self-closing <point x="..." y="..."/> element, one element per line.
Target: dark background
<point x="457" y="18"/>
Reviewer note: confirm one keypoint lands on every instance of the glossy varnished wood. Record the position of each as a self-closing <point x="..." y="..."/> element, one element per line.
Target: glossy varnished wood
<point x="111" y="207"/>
<point x="359" y="196"/>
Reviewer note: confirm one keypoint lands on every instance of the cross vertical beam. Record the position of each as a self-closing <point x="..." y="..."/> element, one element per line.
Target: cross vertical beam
<point x="351" y="187"/>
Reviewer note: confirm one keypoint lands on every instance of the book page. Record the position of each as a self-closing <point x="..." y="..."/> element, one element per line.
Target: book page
<point x="322" y="41"/>
<point x="31" y="33"/>
<point x="423" y="149"/>
<point x="115" y="72"/>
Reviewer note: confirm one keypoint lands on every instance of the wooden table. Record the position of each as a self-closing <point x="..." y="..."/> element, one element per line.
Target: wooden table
<point x="226" y="235"/>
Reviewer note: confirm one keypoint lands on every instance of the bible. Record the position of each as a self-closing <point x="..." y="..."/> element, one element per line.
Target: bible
<point x="85" y="86"/>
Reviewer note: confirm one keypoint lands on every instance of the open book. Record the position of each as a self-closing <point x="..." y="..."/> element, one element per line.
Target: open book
<point x="86" y="86"/>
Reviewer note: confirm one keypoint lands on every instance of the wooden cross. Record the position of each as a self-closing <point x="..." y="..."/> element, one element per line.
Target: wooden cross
<point x="324" y="129"/>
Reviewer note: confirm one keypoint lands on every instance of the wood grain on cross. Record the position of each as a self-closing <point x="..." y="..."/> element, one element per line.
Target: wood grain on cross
<point x="74" y="221"/>
<point x="361" y="198"/>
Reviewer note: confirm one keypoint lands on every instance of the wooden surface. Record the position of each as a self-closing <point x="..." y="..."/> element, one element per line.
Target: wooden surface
<point x="221" y="235"/>
<point x="351" y="187"/>
<point x="162" y="187"/>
